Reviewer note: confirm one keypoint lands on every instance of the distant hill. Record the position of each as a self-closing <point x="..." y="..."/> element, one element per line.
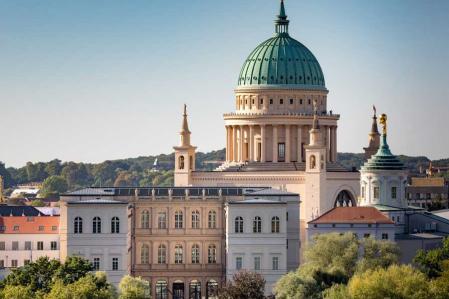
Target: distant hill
<point x="140" y="172"/>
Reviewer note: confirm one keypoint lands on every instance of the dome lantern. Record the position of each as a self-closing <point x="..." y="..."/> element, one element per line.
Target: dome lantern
<point x="282" y="22"/>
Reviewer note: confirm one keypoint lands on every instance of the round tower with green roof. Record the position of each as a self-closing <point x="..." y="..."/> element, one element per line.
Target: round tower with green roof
<point x="277" y="87"/>
<point x="383" y="177"/>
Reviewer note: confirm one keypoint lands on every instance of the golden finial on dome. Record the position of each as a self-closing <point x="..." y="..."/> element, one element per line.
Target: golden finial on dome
<point x="383" y="122"/>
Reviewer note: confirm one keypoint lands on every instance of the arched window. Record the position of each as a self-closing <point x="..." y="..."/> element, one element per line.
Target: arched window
<point x="161" y="254"/>
<point x="212" y="289"/>
<point x="212" y="219"/>
<point x="195" y="219"/>
<point x="115" y="225"/>
<point x="181" y="162"/>
<point x="145" y="219"/>
<point x="212" y="254"/>
<point x="161" y="289"/>
<point x="96" y="225"/>
<point x="344" y="199"/>
<point x="257" y="225"/>
<point x="178" y="254"/>
<point x="178" y="219"/>
<point x="275" y="224"/>
<point x="195" y="254"/>
<point x="144" y="254"/>
<point x="238" y="225"/>
<point x="195" y="290"/>
<point x="78" y="225"/>
<point x="312" y="162"/>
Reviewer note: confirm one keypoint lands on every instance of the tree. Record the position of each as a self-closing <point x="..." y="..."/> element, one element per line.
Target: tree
<point x="37" y="203"/>
<point x="86" y="288"/>
<point x="333" y="253"/>
<point x="337" y="291"/>
<point x="37" y="276"/>
<point x="53" y="167"/>
<point x="439" y="287"/>
<point x="430" y="262"/>
<point x="16" y="292"/>
<point x="377" y="254"/>
<point x="53" y="185"/>
<point x="134" y="288"/>
<point x="394" y="282"/>
<point x="332" y="259"/>
<point x="73" y="269"/>
<point x="244" y="285"/>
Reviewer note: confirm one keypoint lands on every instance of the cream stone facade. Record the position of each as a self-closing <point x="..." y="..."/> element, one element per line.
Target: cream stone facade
<point x="176" y="237"/>
<point x="280" y="92"/>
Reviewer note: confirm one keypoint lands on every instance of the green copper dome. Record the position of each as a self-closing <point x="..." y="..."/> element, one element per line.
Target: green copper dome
<point x="383" y="159"/>
<point x="283" y="61"/>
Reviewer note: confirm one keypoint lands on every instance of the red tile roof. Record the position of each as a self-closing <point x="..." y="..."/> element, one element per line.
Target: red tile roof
<point x="29" y="225"/>
<point x="352" y="215"/>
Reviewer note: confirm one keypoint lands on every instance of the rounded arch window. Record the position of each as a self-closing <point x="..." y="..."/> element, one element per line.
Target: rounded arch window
<point x="344" y="199"/>
<point x="181" y="162"/>
<point x="312" y="162"/>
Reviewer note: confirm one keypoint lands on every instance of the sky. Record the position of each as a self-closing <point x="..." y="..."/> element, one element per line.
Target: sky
<point x="96" y="80"/>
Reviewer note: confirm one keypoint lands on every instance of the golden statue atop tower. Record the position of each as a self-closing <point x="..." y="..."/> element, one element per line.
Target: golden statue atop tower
<point x="383" y="122"/>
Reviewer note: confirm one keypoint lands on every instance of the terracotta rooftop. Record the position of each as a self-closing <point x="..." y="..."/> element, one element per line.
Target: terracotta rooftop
<point x="352" y="215"/>
<point x="29" y="225"/>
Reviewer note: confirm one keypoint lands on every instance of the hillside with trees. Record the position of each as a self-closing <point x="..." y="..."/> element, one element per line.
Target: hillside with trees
<point x="58" y="177"/>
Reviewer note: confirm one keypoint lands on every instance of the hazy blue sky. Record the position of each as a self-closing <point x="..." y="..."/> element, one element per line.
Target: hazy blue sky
<point x="96" y="80"/>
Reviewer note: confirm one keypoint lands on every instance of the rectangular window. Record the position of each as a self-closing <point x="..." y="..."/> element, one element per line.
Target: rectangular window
<point x="26" y="262"/>
<point x="54" y="228"/>
<point x="238" y="262"/>
<point x="115" y="263"/>
<point x="96" y="263"/>
<point x="376" y="192"/>
<point x="40" y="245"/>
<point x="384" y="236"/>
<point x="14" y="263"/>
<point x="162" y="220"/>
<point x="393" y="192"/>
<point x="15" y="245"/>
<point x="257" y="263"/>
<point x="2" y="264"/>
<point x="30" y="219"/>
<point x="363" y="192"/>
<point x="54" y="245"/>
<point x="41" y="228"/>
<point x="27" y="245"/>
<point x="281" y="152"/>
<point x="275" y="263"/>
<point x="16" y="228"/>
<point x="2" y="245"/>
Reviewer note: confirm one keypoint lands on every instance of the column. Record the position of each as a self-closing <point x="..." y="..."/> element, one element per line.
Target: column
<point x="328" y="143"/>
<point x="275" y="143"/>
<point x="332" y="143"/>
<point x="227" y="143"/>
<point x="251" y="143"/>
<point x="262" y="145"/>
<point x="335" y="144"/>
<point x="287" y="144"/>
<point x="240" y="159"/>
<point x="299" y="145"/>
<point x="234" y="144"/>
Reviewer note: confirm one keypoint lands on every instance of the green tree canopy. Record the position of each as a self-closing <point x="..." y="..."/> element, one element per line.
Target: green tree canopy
<point x="53" y="185"/>
<point x="394" y="282"/>
<point x="430" y="262"/>
<point x="244" y="285"/>
<point x="134" y="288"/>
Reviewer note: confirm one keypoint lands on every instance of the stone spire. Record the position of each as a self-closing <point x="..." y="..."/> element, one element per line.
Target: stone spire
<point x="185" y="132"/>
<point x="315" y="132"/>
<point x="373" y="138"/>
<point x="281" y="21"/>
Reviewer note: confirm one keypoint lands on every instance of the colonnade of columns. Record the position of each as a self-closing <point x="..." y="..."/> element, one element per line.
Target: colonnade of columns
<point x="250" y="143"/>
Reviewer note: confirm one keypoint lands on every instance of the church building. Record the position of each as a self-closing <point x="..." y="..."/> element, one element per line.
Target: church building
<point x="282" y="133"/>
